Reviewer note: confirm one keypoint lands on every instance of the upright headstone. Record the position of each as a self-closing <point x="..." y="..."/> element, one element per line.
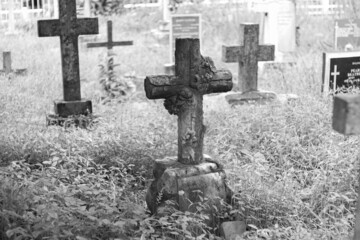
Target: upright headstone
<point x="346" y="120"/>
<point x="182" y="26"/>
<point x="341" y="70"/>
<point x="278" y="25"/>
<point x="7" y="68"/>
<point x="248" y="54"/>
<point x="109" y="44"/>
<point x="87" y="8"/>
<point x="347" y="34"/>
<point x="11" y="18"/>
<point x="183" y="178"/>
<point x="68" y="28"/>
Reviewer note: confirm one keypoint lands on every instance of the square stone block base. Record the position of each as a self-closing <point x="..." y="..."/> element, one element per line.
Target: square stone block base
<point x="68" y="108"/>
<point x="253" y="97"/>
<point x="186" y="184"/>
<point x="346" y="114"/>
<point x="14" y="71"/>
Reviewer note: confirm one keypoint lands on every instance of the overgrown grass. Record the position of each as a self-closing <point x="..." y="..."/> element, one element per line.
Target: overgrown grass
<point x="293" y="175"/>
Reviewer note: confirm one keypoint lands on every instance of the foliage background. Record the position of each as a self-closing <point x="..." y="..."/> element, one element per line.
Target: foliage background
<point x="293" y="175"/>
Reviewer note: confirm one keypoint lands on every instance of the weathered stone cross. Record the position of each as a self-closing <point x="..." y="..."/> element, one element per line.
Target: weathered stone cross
<point x="109" y="44"/>
<point x="183" y="94"/>
<point x="68" y="27"/>
<point x="7" y="65"/>
<point x="346" y="120"/>
<point x="248" y="55"/>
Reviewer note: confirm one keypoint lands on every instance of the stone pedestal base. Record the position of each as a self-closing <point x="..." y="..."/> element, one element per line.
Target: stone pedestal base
<point x="68" y="108"/>
<point x="186" y="184"/>
<point x="251" y="97"/>
<point x="71" y="113"/>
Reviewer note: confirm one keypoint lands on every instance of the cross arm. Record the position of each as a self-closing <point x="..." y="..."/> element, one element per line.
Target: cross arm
<point x="48" y="28"/>
<point x="230" y="53"/>
<point x="87" y="26"/>
<point x="346" y="114"/>
<point x="162" y="86"/>
<point x="221" y="81"/>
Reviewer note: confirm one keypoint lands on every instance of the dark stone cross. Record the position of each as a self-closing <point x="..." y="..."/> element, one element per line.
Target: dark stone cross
<point x="68" y="28"/>
<point x="346" y="120"/>
<point x="195" y="76"/>
<point x="248" y="55"/>
<point x="7" y="65"/>
<point x="109" y="44"/>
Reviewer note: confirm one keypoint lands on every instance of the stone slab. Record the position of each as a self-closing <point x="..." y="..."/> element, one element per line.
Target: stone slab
<point x="68" y="108"/>
<point x="252" y="97"/>
<point x="232" y="230"/>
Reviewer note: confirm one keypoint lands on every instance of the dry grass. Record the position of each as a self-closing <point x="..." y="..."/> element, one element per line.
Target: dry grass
<point x="295" y="176"/>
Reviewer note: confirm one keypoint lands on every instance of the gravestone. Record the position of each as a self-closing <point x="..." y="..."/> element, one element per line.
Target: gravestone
<point x="346" y="120"/>
<point x="347" y="34"/>
<point x="341" y="70"/>
<point x="185" y="177"/>
<point x="68" y="28"/>
<point x="7" y="65"/>
<point x="248" y="54"/>
<point x="182" y="26"/>
<point x="278" y="25"/>
<point x="109" y="44"/>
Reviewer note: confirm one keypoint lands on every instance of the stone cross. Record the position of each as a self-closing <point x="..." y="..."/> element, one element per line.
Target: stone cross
<point x="7" y="65"/>
<point x="248" y="55"/>
<point x="68" y="28"/>
<point x="109" y="44"/>
<point x="195" y="76"/>
<point x="346" y="120"/>
<point x="335" y="73"/>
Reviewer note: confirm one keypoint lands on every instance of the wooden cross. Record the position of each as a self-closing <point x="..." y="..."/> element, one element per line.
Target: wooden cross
<point x="346" y="120"/>
<point x="183" y="94"/>
<point x="248" y="55"/>
<point x="7" y="65"/>
<point x="335" y="74"/>
<point x="68" y="28"/>
<point x="109" y="44"/>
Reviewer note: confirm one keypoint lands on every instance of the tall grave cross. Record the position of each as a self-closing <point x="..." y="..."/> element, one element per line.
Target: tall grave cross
<point x="346" y="120"/>
<point x="194" y="77"/>
<point x="248" y="55"/>
<point x="68" y="28"/>
<point x="184" y="178"/>
<point x="109" y="44"/>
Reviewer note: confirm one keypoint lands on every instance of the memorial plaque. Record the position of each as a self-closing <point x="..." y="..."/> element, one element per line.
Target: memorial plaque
<point x="184" y="26"/>
<point x="340" y="70"/>
<point x="347" y="34"/>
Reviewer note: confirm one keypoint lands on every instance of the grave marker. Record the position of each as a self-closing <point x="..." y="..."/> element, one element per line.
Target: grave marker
<point x="183" y="92"/>
<point x="68" y="28"/>
<point x="347" y="34"/>
<point x="7" y="65"/>
<point x="346" y="120"/>
<point x="278" y="25"/>
<point x="340" y="70"/>
<point x="182" y="26"/>
<point x="109" y="44"/>
<point x="248" y="55"/>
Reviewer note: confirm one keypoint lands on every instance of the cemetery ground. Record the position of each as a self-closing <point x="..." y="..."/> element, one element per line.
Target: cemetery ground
<point x="293" y="176"/>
